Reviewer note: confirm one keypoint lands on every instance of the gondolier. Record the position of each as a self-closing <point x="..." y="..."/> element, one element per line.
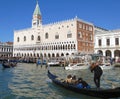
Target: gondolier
<point x="97" y="73"/>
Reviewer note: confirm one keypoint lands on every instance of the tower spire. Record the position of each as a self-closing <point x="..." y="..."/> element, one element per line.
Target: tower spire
<point x="37" y="20"/>
<point x="37" y="9"/>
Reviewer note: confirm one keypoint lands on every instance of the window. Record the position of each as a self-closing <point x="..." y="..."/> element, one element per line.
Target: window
<point x="83" y="26"/>
<point x="90" y="28"/>
<point x="67" y="26"/>
<point x="87" y="27"/>
<point x="91" y="37"/>
<point x="80" y="25"/>
<point x="57" y="36"/>
<point x="34" y="23"/>
<point x="24" y="38"/>
<point x="18" y="39"/>
<point x="79" y="35"/>
<point x="32" y="37"/>
<point x="99" y="42"/>
<point x="69" y="34"/>
<point x="108" y="42"/>
<point x="38" y="38"/>
<point x="116" y="41"/>
<point x="46" y="35"/>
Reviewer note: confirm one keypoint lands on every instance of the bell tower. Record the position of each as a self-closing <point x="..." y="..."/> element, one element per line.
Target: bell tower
<point x="37" y="19"/>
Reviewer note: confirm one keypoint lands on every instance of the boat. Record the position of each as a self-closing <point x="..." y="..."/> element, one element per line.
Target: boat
<point x="100" y="93"/>
<point x="9" y="64"/>
<point x="77" y="66"/>
<point x="6" y="65"/>
<point x="106" y="66"/>
<point x="53" y="63"/>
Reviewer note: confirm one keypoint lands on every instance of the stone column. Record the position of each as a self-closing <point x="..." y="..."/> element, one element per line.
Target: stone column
<point x="104" y="54"/>
<point x="112" y="53"/>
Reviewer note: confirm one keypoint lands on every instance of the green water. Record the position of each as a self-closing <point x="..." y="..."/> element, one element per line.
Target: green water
<point x="28" y="81"/>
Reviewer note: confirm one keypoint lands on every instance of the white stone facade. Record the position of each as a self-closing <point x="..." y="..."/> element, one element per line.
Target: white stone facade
<point x="110" y="42"/>
<point x="53" y="30"/>
<point x="6" y="49"/>
<point x="57" y="46"/>
<point x="53" y="40"/>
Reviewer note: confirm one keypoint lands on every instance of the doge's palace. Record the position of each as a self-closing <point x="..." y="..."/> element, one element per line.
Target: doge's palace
<point x="55" y="39"/>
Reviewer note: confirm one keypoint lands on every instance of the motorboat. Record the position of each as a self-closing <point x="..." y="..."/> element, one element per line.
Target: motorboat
<point x="53" y="63"/>
<point x="106" y="66"/>
<point x="77" y="66"/>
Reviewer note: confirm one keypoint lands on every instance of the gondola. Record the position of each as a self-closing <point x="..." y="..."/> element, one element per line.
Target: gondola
<point x="100" y="93"/>
<point x="6" y="65"/>
<point x="9" y="64"/>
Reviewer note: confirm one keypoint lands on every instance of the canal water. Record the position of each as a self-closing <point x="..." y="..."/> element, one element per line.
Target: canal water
<point x="28" y="81"/>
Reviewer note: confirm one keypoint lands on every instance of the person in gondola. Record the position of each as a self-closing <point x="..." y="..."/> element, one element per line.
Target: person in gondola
<point x="97" y="73"/>
<point x="69" y="79"/>
<point x="74" y="80"/>
<point x="83" y="83"/>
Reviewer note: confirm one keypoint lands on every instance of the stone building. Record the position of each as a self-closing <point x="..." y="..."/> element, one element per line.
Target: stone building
<point x="107" y="42"/>
<point x="6" y="49"/>
<point x="55" y="39"/>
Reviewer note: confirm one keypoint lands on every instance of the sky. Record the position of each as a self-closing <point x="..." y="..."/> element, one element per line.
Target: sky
<point x="17" y="14"/>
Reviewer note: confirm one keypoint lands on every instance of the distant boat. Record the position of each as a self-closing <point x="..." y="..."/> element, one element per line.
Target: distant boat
<point x="106" y="66"/>
<point x="77" y="66"/>
<point x="100" y="93"/>
<point x="53" y="63"/>
<point x="9" y="64"/>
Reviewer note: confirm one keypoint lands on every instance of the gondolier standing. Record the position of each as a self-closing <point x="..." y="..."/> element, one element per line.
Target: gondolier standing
<point x="97" y="73"/>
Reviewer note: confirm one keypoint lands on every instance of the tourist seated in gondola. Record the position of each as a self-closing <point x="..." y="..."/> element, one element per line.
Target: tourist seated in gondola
<point x="82" y="83"/>
<point x="68" y="79"/>
<point x="74" y="80"/>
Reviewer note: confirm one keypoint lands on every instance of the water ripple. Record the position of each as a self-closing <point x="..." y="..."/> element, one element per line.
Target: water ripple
<point x="27" y="81"/>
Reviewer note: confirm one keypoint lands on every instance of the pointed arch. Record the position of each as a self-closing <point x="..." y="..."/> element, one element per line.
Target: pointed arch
<point x="18" y="39"/>
<point x="117" y="53"/>
<point x="38" y="38"/>
<point x="62" y="54"/>
<point x="57" y="55"/>
<point x="32" y="37"/>
<point x="46" y="35"/>
<point x="24" y="38"/>
<point x="108" y="53"/>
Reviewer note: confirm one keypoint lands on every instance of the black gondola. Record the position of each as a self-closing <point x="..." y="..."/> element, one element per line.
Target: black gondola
<point x="6" y="65"/>
<point x="9" y="65"/>
<point x="101" y="93"/>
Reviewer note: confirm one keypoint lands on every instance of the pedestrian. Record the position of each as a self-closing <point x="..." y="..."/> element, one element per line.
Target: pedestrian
<point x="97" y="73"/>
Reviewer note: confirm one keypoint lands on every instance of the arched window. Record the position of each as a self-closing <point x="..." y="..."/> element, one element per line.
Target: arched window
<point x="69" y="34"/>
<point x="38" y="38"/>
<point x="46" y="35"/>
<point x="24" y="38"/>
<point x="32" y="37"/>
<point x="56" y="36"/>
<point x="18" y="39"/>
<point x="74" y="46"/>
